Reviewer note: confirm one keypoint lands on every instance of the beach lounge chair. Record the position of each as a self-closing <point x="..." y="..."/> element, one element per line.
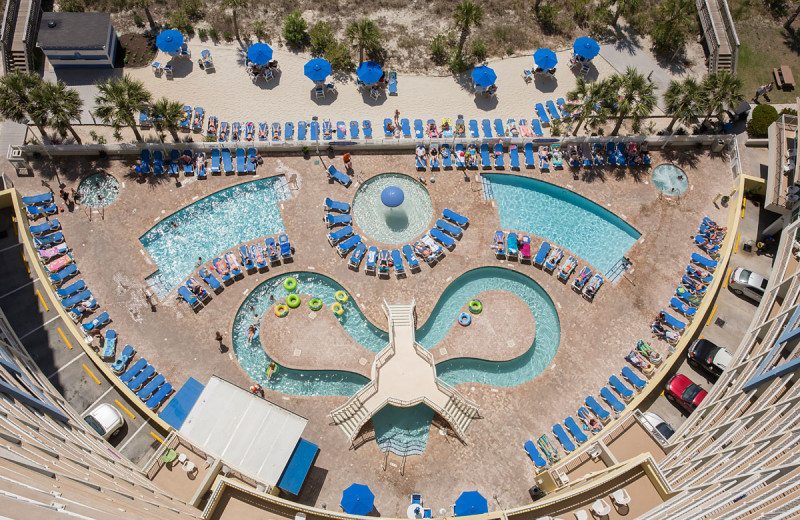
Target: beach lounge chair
<point x="419" y="157"/>
<point x="340" y="234"/>
<point x="542" y="113"/>
<point x="566" y="269"/>
<point x="141" y="378"/>
<point x="200" y="161"/>
<point x="513" y="154"/>
<point x="436" y="249"/>
<point x="38" y="200"/>
<point x="611" y="155"/>
<point x="597" y="154"/>
<point x="406" y="127"/>
<point x="499" y="158"/>
<point x="551" y="108"/>
<point x="697" y="275"/>
<point x="589" y="420"/>
<point x="512" y="248"/>
<point x="96" y="323"/>
<point x="58" y="264"/>
<point x="224" y="130"/>
<point x="541" y="255"/>
<point x="327" y="131"/>
<point x="707" y="263"/>
<point x="419" y="131"/>
<point x="544" y="161"/>
<point x="233" y="264"/>
<point x="391" y="79"/>
<point x="525" y="249"/>
<point x="46" y="227"/>
<point x="499" y="129"/>
<point x="215" y="160"/>
<point x="250" y="162"/>
<point x="637" y="382"/>
<point x="210" y="279"/>
<point x="188" y="168"/>
<point x="397" y="261"/>
<point x="383" y="262"/>
<point x="288" y="132"/>
<point x="314" y="130"/>
<point x="621" y="158"/>
<point x="433" y="132"/>
<point x="333" y="205"/>
<point x="563" y="438"/>
<point x="548" y="449"/>
<point x="575" y="430"/>
<point x="562" y="107"/>
<point x="473" y="129"/>
<point x="455" y="218"/>
<point x="59" y="277"/>
<point x="122" y="361"/>
<point x="341" y="130"/>
<point x="158" y="162"/>
<point x="530" y="160"/>
<point x="537" y="127"/>
<point x="338" y="176"/>
<point x="611" y="399"/>
<point x="301" y="130"/>
<point x="241" y="161"/>
<point x="257" y="254"/>
<point x="151" y="387"/>
<point x="247" y="259"/>
<point x="72" y="289"/>
<point x="236" y="131"/>
<point x="434" y="155"/>
<point x="449" y="228"/>
<point x="685" y="295"/>
<point x="223" y="269"/>
<point x="447" y="128"/>
<point x="358" y="254"/>
<point x="53" y="252"/>
<point x="580" y="281"/>
<point x="354" y="129"/>
<point x="684" y="308"/>
<point x="601" y="413"/>
<point x="144" y="163"/>
<point x="372" y="259"/>
<point x="485" y="160"/>
<point x="486" y="125"/>
<point x="197" y="120"/>
<point x="367" y="128"/>
<point x="271" y="250"/>
<point x="48" y="240"/>
<point x="553" y="258"/>
<point x="387" y="128"/>
<point x="286" y="247"/>
<point x="592" y="287"/>
<point x="448" y="242"/>
<point x="460" y="156"/>
<point x="413" y="262"/>
<point x="144" y="115"/>
<point x="345" y="246"/>
<point x="174" y="162"/>
<point x="109" y="345"/>
<point x="133" y="371"/>
<point x="77" y="298"/>
<point x="672" y="321"/>
<point x="186" y="122"/>
<point x="227" y="162"/>
<point x="461" y="129"/>
<point x="624" y="392"/>
<point x="157" y="398"/>
<point x="533" y="453"/>
<point x="186" y="295"/>
<point x="263" y="131"/>
<point x="447" y="159"/>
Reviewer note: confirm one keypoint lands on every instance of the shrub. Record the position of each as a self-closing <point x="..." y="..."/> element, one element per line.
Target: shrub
<point x="180" y="21"/>
<point x="555" y="128"/>
<point x="294" y="29"/>
<point x="71" y="6"/>
<point x="212" y="33"/>
<point x="192" y="9"/>
<point x="763" y="116"/>
<point x="320" y="39"/>
<point x="789" y="111"/>
<point x="581" y="12"/>
<point x="137" y="20"/>
<point x="260" y="30"/>
<point x="479" y="51"/>
<point x="458" y="64"/>
<point x="227" y="36"/>
<point x="669" y="37"/>
<point x="438" y="48"/>
<point x="548" y="17"/>
<point x="203" y="34"/>
<point x="338" y="55"/>
<point x="601" y="20"/>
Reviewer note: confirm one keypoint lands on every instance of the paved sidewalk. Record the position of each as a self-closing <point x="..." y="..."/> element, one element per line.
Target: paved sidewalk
<point x="624" y="54"/>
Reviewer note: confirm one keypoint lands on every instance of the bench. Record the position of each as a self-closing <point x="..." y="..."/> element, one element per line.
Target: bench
<point x="783" y="77"/>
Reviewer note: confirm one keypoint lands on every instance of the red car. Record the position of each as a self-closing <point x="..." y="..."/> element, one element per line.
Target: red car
<point x="680" y="389"/>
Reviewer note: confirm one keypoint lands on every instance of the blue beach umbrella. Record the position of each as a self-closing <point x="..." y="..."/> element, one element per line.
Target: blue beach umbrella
<point x="545" y="58"/>
<point x="483" y="76"/>
<point x="259" y="53"/>
<point x="369" y="72"/>
<point x="317" y="69"/>
<point x="471" y="503"/>
<point x="392" y="196"/>
<point x="169" y="41"/>
<point x="586" y="47"/>
<point x="357" y="500"/>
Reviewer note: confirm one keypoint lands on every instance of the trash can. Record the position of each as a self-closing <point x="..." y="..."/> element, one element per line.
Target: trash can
<point x="749" y="245"/>
<point x="717" y="146"/>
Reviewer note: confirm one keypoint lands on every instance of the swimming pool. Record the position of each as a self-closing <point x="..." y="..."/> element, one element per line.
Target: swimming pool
<point x="392" y="225"/>
<point x="670" y="179"/>
<point x="403" y="431"/>
<point x="98" y="190"/>
<point x="212" y="225"/>
<point x="564" y="217"/>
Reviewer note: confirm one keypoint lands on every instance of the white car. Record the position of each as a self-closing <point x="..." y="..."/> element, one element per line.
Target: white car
<point x="105" y="420"/>
<point x="747" y="283"/>
<point x="658" y="424"/>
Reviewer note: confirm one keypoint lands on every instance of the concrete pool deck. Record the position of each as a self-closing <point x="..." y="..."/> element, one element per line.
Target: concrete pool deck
<point x="595" y="335"/>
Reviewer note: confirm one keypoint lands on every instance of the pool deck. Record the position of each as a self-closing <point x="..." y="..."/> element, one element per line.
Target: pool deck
<point x="595" y="335"/>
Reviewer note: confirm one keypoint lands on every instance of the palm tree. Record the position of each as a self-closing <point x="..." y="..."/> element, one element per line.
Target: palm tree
<point x="118" y="101"/>
<point x="363" y="34"/>
<point x="630" y="95"/>
<point x="60" y="106"/>
<point x="720" y="89"/>
<point x="681" y="99"/>
<point x="467" y="14"/>
<point x="233" y="5"/>
<point x="16" y="103"/>
<point x="167" y="114"/>
<point x="585" y="100"/>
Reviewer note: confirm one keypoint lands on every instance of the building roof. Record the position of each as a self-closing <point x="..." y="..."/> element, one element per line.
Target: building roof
<point x="74" y="30"/>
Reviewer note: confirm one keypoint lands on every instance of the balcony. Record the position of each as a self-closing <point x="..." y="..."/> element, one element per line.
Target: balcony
<point x="783" y="182"/>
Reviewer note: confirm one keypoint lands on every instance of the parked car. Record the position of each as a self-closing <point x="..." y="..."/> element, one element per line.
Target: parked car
<point x="658" y="424"/>
<point x="709" y="357"/>
<point x="747" y="283"/>
<point x="105" y="420"/>
<point x="680" y="389"/>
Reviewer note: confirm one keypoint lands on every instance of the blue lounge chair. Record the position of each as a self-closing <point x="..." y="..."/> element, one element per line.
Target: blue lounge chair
<point x="301" y="131"/>
<point x="621" y="161"/>
<point x="314" y="132"/>
<point x="554" y="114"/>
<point x="448" y="228"/>
<point x="201" y="165"/>
<point x="611" y="399"/>
<point x="272" y="250"/>
<point x="372" y="259"/>
<point x="397" y="260"/>
<point x="333" y="205"/>
<point x="257" y="254"/>
<point x="288" y="132"/>
<point x="286" y="247"/>
<point x="542" y="113"/>
<point x="513" y="154"/>
<point x="575" y="430"/>
<point x="250" y="165"/>
<point x="358" y="254"/>
<point x="340" y="234"/>
<point x="188" y="297"/>
<point x="47" y="227"/>
<point x="420" y="160"/>
<point x="383" y="262"/>
<point x="134" y="370"/>
<point x="197" y="121"/>
<point x="672" y="321"/>
<point x="563" y="438"/>
<point x="338" y="176"/>
<point x="530" y="159"/>
<point x="122" y="360"/>
<point x="42" y="198"/>
<point x="174" y="162"/>
<point x="598" y="410"/>
<point x="225" y="277"/>
<point x="697" y="258"/>
<point x="63" y="274"/>
<point x="447" y="159"/>
<point x="580" y="281"/>
<point x="460" y="156"/>
<point x="499" y="129"/>
<point x="141" y="378"/>
<point x="110" y="344"/>
<point x="499" y="158"/>
<point x="684" y="308"/>
<point x="392" y="82"/>
<point x="367" y="127"/>
<point x="537" y="127"/>
<point x="145" y="393"/>
<point x="553" y="259"/>
<point x="444" y="239"/>
<point x="354" y="129"/>
<point x="702" y="243"/>
<point x="541" y="255"/>
<point x="209" y="278"/>
<point x="419" y="131"/>
<point x="486" y="125"/>
<point x="534" y="454"/>
<point x="215" y="161"/>
<point x="144" y="165"/>
<point x="188" y="168"/>
<point x="560" y="103"/>
<point x="68" y="291"/>
<point x="341" y="130"/>
<point x="186" y="122"/>
<point x="434" y="156"/>
<point x="693" y="272"/>
<point x="455" y="218"/>
<point x="406" y="127"/>
<point x="387" y="123"/>
<point x="512" y="247"/>
<point x="637" y="382"/>
<point x="48" y="240"/>
<point x="611" y="155"/>
<point x="159" y="396"/>
<point x="227" y="162"/>
<point x="485" y="160"/>
<point x="411" y="258"/>
<point x="345" y="246"/>
<point x="625" y="392"/>
<point x="96" y="323"/>
<point x="432" y="130"/>
<point x="158" y="163"/>
<point x="247" y="259"/>
<point x="240" y="160"/>
<point x="473" y="129"/>
<point x="75" y="299"/>
<point x="336" y="220"/>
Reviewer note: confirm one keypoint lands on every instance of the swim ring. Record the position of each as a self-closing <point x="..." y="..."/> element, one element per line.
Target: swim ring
<point x="272" y="369"/>
<point x="290" y="284"/>
<point x="337" y="309"/>
<point x="341" y="296"/>
<point x="281" y="310"/>
<point x="293" y="301"/>
<point x="315" y="304"/>
<point x="475" y="306"/>
<point x="464" y="319"/>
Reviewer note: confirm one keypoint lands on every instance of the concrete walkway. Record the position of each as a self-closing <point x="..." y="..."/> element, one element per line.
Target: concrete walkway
<point x="629" y="53"/>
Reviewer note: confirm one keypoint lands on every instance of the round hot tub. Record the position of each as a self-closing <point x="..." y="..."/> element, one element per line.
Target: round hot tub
<point x="98" y="190"/>
<point x="670" y="180"/>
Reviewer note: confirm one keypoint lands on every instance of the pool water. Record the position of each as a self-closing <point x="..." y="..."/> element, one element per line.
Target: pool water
<point x="213" y="225"/>
<point x="403" y="431"/>
<point x="670" y="180"/>
<point x="392" y="225"/>
<point x="558" y="215"/>
<point x="98" y="190"/>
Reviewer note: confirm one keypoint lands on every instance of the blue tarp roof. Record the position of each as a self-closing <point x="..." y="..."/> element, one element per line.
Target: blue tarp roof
<point x="299" y="464"/>
<point x="178" y="408"/>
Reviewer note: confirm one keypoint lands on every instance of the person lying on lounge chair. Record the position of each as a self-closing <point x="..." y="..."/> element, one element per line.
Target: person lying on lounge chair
<point x="445" y="126"/>
<point x="271" y="250"/>
<point x="195" y="287"/>
<point x="212" y="126"/>
<point x="710" y="224"/>
<point x="221" y="267"/>
<point x="697" y="272"/>
<point x="434" y="153"/>
<point x="199" y="160"/>
<point x="422" y="250"/>
<point x="460" y="130"/>
<point x="186" y="158"/>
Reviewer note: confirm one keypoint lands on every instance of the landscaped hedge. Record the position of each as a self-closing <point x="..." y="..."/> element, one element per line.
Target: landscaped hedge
<point x="763" y="116"/>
